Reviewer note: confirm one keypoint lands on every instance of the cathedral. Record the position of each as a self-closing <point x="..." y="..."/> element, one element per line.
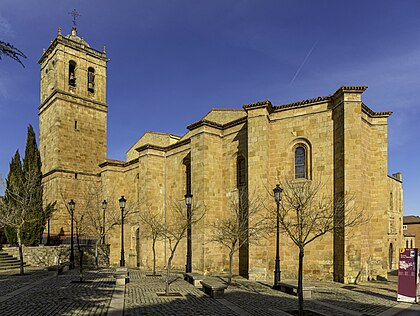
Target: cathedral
<point x="337" y="137"/>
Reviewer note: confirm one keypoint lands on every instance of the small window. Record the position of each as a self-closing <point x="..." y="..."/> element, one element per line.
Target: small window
<point x="75" y="125"/>
<point x="300" y="163"/>
<point x="241" y="172"/>
<point x="391" y="201"/>
<point x="404" y="227"/>
<point x="187" y="164"/>
<point x="91" y="80"/>
<point x="75" y="175"/>
<point x="72" y="74"/>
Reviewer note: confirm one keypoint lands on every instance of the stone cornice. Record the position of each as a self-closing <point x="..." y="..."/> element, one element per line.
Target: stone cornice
<point x="302" y="103"/>
<point x="75" y="45"/>
<point x="259" y="104"/>
<point x="118" y="163"/>
<point x="372" y="113"/>
<point x="394" y="178"/>
<point x="59" y="92"/>
<point x="164" y="148"/>
<point x="70" y="172"/>
<point x="205" y="122"/>
<point x="358" y="89"/>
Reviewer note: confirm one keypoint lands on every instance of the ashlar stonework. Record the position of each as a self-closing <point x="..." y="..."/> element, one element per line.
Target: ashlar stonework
<point x="345" y="144"/>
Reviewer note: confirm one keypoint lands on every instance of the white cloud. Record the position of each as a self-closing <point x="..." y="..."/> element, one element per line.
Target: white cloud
<point x="3" y="90"/>
<point x="5" y="28"/>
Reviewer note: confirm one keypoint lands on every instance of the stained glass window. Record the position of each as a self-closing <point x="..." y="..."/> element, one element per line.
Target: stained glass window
<point x="300" y="163"/>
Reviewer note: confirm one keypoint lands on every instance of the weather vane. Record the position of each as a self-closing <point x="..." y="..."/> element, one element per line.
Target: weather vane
<point x="74" y="14"/>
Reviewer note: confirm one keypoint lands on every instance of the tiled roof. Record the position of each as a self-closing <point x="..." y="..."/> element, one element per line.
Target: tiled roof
<point x="301" y="103"/>
<point x="411" y="219"/>
<point x="327" y="98"/>
<point x="256" y="104"/>
<point x="372" y="113"/>
<point x="216" y="125"/>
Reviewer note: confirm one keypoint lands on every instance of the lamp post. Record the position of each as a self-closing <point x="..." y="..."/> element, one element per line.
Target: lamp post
<point x="188" y="201"/>
<point x="72" y="205"/>
<point x="104" y="204"/>
<point x="122" y="206"/>
<point x="277" y="273"/>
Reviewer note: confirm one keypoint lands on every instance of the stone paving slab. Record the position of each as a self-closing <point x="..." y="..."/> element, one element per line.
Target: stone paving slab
<point x="42" y="293"/>
<point x="10" y="281"/>
<point x="59" y="296"/>
<point x="141" y="298"/>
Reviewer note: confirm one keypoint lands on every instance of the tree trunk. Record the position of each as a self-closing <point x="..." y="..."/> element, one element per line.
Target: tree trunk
<point x="300" y="281"/>
<point x="168" y="268"/>
<point x="168" y="273"/>
<point x="80" y="258"/>
<point x="96" y="255"/>
<point x="154" y="256"/>
<point x="22" y="272"/>
<point x="231" y="252"/>
<point x="81" y="265"/>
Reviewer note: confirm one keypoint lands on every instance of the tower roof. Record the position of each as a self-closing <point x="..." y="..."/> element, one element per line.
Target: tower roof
<point x="73" y="37"/>
<point x="75" y="42"/>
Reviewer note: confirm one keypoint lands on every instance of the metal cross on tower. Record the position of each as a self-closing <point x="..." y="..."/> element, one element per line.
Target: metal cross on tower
<point x="74" y="14"/>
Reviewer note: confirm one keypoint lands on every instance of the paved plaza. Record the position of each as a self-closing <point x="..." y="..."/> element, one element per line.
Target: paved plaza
<point x="42" y="292"/>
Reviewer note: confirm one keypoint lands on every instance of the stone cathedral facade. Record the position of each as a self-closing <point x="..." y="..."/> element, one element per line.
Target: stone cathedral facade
<point x="336" y="137"/>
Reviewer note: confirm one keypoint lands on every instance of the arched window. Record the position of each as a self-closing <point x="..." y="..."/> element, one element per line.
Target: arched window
<point x="72" y="73"/>
<point x="91" y="80"/>
<point x="187" y="164"/>
<point x="300" y="163"/>
<point x="240" y="172"/>
<point x="390" y="255"/>
<point x="391" y="201"/>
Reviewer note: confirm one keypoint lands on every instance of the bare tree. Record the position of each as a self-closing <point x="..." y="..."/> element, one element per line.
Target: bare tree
<point x="9" y="50"/>
<point x="101" y="219"/>
<point x="307" y="212"/>
<point x="233" y="229"/>
<point x="153" y="229"/>
<point x="88" y="219"/>
<point x="175" y="230"/>
<point x="16" y="210"/>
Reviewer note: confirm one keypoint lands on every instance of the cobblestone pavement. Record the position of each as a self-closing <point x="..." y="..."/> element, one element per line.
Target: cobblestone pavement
<point x="141" y="298"/>
<point x="58" y="295"/>
<point x="10" y="281"/>
<point x="255" y="298"/>
<point x="43" y="293"/>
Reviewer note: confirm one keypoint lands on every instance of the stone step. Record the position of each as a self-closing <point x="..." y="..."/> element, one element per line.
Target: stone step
<point x="9" y="262"/>
<point x="8" y="258"/>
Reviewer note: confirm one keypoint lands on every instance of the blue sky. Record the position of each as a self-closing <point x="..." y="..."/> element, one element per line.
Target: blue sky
<point x="172" y="61"/>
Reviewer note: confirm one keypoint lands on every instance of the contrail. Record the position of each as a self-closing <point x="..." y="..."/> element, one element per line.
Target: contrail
<point x="303" y="63"/>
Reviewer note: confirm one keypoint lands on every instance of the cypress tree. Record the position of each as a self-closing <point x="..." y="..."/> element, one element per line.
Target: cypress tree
<point x="32" y="169"/>
<point x="14" y="180"/>
<point x="23" y="197"/>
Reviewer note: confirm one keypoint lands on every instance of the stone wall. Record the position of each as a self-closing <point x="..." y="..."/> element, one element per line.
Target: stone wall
<point x="346" y="145"/>
<point x="45" y="256"/>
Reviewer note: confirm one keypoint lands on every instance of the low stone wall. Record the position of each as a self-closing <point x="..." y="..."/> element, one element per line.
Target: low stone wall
<point x="45" y="256"/>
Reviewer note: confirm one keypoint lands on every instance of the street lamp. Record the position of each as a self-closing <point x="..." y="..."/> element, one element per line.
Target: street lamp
<point x="122" y="206"/>
<point x="277" y="273"/>
<point x="104" y="204"/>
<point x="72" y="204"/>
<point x="188" y="201"/>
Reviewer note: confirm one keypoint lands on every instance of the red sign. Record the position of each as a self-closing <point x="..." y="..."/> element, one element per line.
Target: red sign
<point x="407" y="275"/>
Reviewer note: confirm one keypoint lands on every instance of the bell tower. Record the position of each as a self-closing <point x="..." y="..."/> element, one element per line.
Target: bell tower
<point x="72" y="121"/>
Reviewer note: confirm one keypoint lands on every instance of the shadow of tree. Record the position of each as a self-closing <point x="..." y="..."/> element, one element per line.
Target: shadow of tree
<point x="57" y="295"/>
<point x="245" y="297"/>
